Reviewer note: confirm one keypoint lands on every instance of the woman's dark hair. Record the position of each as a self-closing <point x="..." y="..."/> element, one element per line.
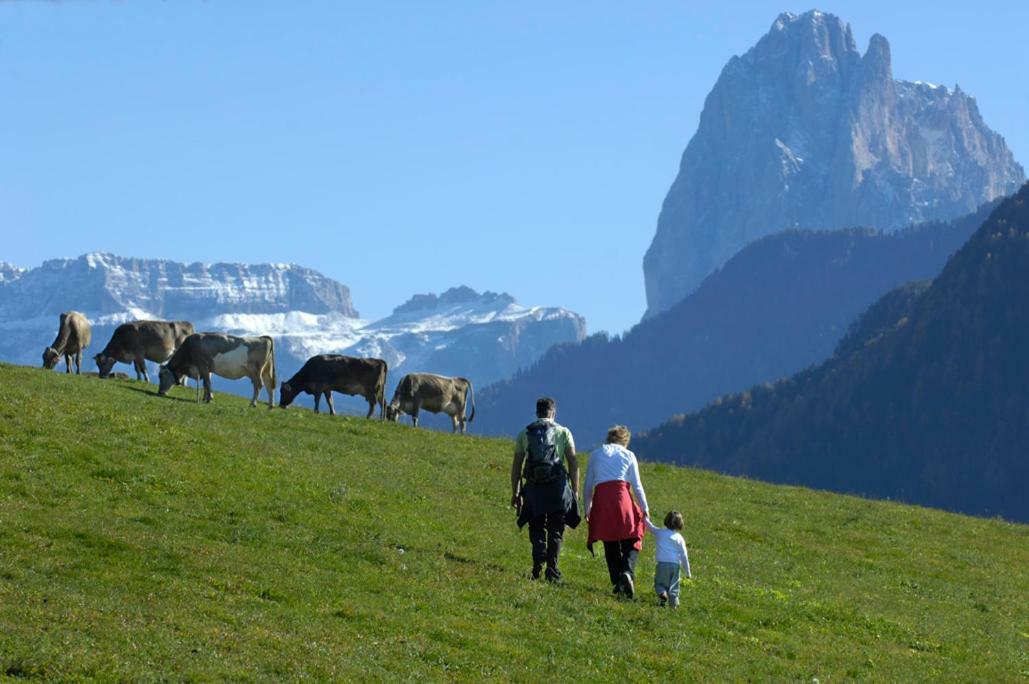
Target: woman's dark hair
<point x="673" y="520"/>
<point x="544" y="407"/>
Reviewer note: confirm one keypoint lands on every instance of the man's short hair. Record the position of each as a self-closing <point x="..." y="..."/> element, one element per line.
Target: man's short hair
<point x="545" y="406"/>
<point x="619" y="434"/>
<point x="673" y="520"/>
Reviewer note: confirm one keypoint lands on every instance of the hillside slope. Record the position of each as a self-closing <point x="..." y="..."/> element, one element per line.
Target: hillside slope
<point x="926" y="401"/>
<point x="781" y="304"/>
<point x="143" y="538"/>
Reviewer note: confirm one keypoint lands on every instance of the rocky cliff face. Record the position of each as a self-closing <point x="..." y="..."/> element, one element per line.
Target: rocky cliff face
<point x="485" y="337"/>
<point x="803" y="131"/>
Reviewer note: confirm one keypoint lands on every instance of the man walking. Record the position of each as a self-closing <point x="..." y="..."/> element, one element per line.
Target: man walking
<point x="545" y="490"/>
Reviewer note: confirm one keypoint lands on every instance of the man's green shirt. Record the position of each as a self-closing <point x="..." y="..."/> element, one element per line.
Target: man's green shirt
<point x="562" y="438"/>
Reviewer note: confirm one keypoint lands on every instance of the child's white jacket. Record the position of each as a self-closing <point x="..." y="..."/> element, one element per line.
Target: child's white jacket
<point x="671" y="547"/>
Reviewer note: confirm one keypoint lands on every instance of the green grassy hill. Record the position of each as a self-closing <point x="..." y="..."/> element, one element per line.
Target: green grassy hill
<point x="153" y="538"/>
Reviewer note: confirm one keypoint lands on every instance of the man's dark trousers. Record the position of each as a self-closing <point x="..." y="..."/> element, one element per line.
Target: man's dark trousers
<point x="546" y="532"/>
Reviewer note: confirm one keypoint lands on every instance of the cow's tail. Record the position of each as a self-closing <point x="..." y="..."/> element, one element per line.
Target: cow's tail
<point x="271" y="348"/>
<point x="382" y="391"/>
<point x="470" y="394"/>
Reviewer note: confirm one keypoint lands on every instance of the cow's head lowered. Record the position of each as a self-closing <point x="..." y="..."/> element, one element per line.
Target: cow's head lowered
<point x="393" y="412"/>
<point x="168" y="379"/>
<point x="287" y="393"/>
<point x="50" y="358"/>
<point x="104" y="364"/>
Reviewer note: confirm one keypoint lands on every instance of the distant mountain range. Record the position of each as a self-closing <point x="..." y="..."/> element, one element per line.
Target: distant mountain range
<point x="926" y="399"/>
<point x="778" y="306"/>
<point x="803" y="131"/>
<point x="484" y="337"/>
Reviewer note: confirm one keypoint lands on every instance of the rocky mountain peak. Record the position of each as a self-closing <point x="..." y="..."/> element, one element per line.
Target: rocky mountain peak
<point x="877" y="60"/>
<point x="812" y="34"/>
<point x="460" y="296"/>
<point x="803" y="131"/>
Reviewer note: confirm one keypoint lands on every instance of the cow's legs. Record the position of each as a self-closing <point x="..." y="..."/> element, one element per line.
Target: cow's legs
<point x="140" y="364"/>
<point x="257" y="391"/>
<point x="67" y="363"/>
<point x="269" y="385"/>
<point x="454" y="423"/>
<point x="198" y="386"/>
<point x="371" y="406"/>
<point x="328" y="400"/>
<point x="464" y="424"/>
<point x="208" y="396"/>
<point x="414" y="416"/>
<point x="317" y="402"/>
<point x="78" y="362"/>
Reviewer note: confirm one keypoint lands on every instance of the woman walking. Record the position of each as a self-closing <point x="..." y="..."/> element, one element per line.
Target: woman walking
<point x="613" y="517"/>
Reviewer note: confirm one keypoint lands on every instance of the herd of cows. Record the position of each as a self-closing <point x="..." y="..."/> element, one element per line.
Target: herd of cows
<point x="184" y="353"/>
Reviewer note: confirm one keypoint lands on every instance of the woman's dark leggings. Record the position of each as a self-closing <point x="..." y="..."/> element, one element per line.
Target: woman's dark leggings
<point x="621" y="557"/>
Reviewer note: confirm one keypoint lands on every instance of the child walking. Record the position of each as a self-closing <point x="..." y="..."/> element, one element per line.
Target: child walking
<point x="671" y="554"/>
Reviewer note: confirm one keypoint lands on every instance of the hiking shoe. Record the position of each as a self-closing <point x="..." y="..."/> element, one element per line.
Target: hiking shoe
<point x="536" y="570"/>
<point x="553" y="575"/>
<point x="617" y="589"/>
<point x="627" y="585"/>
<point x="662" y="599"/>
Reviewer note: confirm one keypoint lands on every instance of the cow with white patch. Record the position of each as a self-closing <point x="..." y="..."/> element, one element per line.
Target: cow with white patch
<point x="141" y="341"/>
<point x="227" y="356"/>
<point x="73" y="336"/>
<point x="328" y="373"/>
<point x="435" y="394"/>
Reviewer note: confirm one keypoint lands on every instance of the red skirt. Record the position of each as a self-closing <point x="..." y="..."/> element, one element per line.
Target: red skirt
<point x="614" y="515"/>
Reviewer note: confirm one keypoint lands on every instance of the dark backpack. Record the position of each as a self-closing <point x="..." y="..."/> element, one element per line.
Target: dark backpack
<point x="543" y="463"/>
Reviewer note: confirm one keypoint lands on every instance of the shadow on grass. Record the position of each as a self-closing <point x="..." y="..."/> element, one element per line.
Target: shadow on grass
<point x="152" y="393"/>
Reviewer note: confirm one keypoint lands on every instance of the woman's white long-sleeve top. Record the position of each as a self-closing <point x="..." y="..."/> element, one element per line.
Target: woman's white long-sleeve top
<point x="613" y="462"/>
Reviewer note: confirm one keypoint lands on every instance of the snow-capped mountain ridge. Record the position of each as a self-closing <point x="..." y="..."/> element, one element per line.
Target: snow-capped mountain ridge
<point x="104" y="283"/>
<point x="485" y="336"/>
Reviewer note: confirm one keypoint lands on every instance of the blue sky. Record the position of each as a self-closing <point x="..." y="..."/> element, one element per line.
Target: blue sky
<point x="406" y="147"/>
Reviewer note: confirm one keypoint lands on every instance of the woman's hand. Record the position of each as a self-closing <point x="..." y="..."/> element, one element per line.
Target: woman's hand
<point x="516" y="501"/>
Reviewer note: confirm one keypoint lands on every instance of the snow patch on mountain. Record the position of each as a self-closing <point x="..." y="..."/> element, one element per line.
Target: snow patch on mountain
<point x="9" y="272"/>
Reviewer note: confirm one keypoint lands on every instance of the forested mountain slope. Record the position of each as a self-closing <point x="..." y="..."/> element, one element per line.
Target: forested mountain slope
<point x="927" y="402"/>
<point x="778" y="306"/>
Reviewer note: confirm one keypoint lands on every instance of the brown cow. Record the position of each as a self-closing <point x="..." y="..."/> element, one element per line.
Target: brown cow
<point x="328" y="373"/>
<point x="141" y="341"/>
<point x="435" y="394"/>
<point x="73" y="336"/>
<point x="226" y="355"/>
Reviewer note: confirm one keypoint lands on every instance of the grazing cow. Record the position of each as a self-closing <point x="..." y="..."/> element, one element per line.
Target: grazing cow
<point x="73" y="335"/>
<point x="328" y="373"/>
<point x="226" y="355"/>
<point x="141" y="341"/>
<point x="435" y="394"/>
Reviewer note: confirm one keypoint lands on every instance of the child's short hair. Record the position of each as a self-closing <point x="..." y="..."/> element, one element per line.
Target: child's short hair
<point x="673" y="520"/>
<point x="619" y="434"/>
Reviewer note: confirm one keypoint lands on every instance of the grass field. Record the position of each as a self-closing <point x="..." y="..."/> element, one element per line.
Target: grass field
<point x="147" y="538"/>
